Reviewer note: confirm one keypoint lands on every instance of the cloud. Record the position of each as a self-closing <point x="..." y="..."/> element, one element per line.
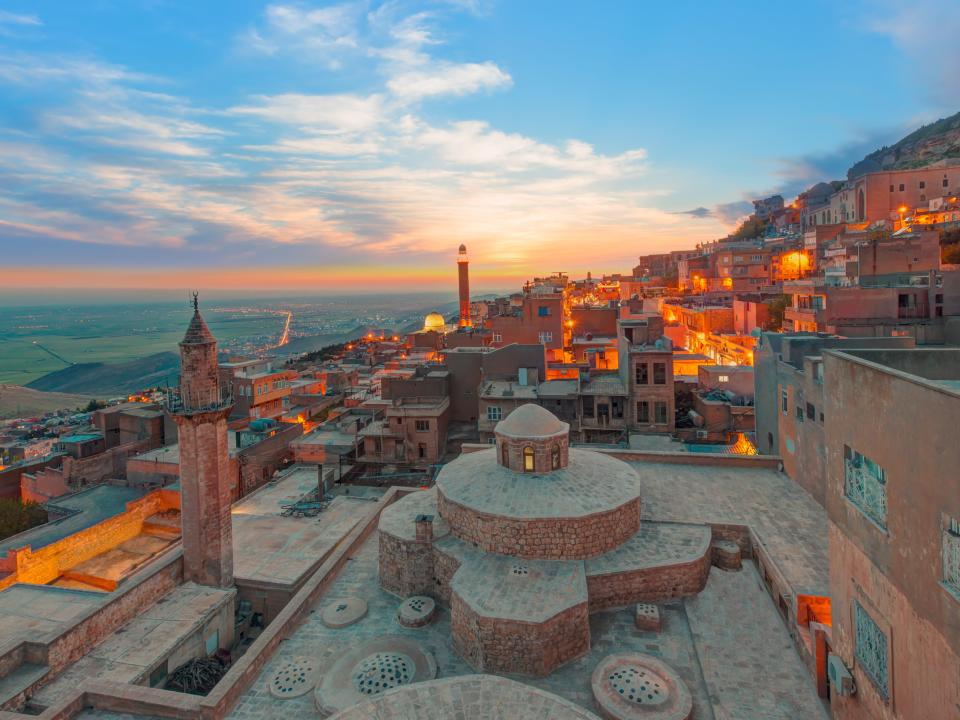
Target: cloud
<point x="448" y="79"/>
<point x="317" y="114"/>
<point x="925" y="31"/>
<point x="9" y="18"/>
<point x="697" y="212"/>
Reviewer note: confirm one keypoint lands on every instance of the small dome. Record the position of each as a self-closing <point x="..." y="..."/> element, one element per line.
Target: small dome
<point x="434" y="321"/>
<point x="463" y="248"/>
<point x="531" y="421"/>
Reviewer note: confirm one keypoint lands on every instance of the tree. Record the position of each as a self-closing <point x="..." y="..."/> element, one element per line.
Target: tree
<point x="17" y="516"/>
<point x="752" y="227"/>
<point x="776" y="308"/>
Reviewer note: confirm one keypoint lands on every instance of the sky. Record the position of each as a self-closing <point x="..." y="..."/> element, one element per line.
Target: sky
<point x="351" y="146"/>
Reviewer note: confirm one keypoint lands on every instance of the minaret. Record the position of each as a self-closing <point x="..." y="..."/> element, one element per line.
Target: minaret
<point x="463" y="270"/>
<point x="200" y="410"/>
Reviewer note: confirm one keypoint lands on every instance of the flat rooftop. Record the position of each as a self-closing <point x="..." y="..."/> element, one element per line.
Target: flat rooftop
<point x="273" y="549"/>
<point x="87" y="508"/>
<point x="788" y="521"/>
<point x="132" y="650"/>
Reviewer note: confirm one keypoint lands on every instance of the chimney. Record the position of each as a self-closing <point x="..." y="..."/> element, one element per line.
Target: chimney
<point x="424" y="525"/>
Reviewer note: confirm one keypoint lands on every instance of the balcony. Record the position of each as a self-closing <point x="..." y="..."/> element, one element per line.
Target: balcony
<point x="178" y="402"/>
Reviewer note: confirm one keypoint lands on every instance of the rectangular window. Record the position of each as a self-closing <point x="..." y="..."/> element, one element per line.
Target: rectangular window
<point x="870" y="648"/>
<point x="546" y="337"/>
<point x="945" y="183"/>
<point x="865" y="485"/>
<point x="950" y="542"/>
<point x="922" y="184"/>
<point x="799" y="413"/>
<point x="588" y="406"/>
<point x="660" y="413"/>
<point x="543" y="311"/>
<point x="422" y="425"/>
<point x="616" y="407"/>
<point x="723" y="378"/>
<point x="497" y="337"/>
<point x="643" y="374"/>
<point x="783" y="401"/>
<point x="901" y="187"/>
<point x="891" y="188"/>
<point x="494" y="413"/>
<point x="811" y="412"/>
<point x="643" y="412"/>
<point x="659" y="373"/>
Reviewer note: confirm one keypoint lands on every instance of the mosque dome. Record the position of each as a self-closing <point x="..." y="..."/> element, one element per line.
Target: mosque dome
<point x="434" y="321"/>
<point x="531" y="421"/>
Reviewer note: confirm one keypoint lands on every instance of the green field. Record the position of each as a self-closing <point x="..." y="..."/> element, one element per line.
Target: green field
<point x="111" y="334"/>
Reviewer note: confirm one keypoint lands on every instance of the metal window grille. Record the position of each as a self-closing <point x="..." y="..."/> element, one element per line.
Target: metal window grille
<point x="951" y="555"/>
<point x="865" y="485"/>
<point x="870" y="647"/>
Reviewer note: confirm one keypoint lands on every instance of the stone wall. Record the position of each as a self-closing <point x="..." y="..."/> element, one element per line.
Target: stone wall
<point x="547" y="538"/>
<point x="509" y="646"/>
<point x="47" y="563"/>
<point x="652" y="584"/>
<point x="406" y="566"/>
<point x="510" y="449"/>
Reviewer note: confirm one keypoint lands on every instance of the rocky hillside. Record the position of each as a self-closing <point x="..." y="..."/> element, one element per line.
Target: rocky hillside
<point x="18" y="401"/>
<point x="929" y="144"/>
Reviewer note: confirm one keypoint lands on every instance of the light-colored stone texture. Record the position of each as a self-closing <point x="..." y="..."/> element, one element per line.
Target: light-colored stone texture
<point x="343" y="612"/>
<point x="633" y="686"/>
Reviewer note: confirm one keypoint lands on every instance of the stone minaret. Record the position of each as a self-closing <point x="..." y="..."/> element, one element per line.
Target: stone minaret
<point x="200" y="411"/>
<point x="463" y="270"/>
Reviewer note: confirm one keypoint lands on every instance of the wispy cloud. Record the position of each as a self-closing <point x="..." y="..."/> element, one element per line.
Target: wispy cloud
<point x="9" y="18"/>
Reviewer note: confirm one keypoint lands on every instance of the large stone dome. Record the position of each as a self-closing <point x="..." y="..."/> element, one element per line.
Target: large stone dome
<point x="434" y="321"/>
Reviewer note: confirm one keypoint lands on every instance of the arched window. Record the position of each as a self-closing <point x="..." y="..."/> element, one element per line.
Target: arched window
<point x="555" y="457"/>
<point x="528" y="459"/>
<point x="504" y="454"/>
<point x="862" y="205"/>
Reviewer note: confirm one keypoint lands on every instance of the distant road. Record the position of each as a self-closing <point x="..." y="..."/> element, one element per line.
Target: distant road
<point x="285" y="337"/>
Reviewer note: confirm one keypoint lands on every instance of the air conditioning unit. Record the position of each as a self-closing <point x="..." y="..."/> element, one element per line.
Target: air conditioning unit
<point x="840" y="678"/>
<point x="703" y="434"/>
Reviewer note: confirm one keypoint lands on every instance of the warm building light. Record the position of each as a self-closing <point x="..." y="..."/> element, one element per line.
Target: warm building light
<point x="902" y="209"/>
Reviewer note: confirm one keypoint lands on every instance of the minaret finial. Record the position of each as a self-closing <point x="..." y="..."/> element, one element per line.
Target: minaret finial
<point x="196" y="303"/>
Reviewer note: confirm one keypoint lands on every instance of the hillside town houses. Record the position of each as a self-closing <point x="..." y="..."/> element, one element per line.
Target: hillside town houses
<point x="763" y="395"/>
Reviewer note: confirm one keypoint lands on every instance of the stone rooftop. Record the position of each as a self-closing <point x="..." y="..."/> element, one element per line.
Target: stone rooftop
<point x="729" y="633"/>
<point x="129" y="653"/>
<point x="271" y="548"/>
<point x="589" y="484"/>
<point x="788" y="522"/>
<point x="87" y="508"/>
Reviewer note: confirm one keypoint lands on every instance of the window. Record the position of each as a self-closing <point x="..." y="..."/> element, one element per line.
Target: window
<point x="811" y="412"/>
<point x="945" y="183"/>
<point x="212" y="643"/>
<point x="643" y="411"/>
<point x="951" y="555"/>
<point x="543" y="311"/>
<point x="546" y="337"/>
<point x="643" y="374"/>
<point x="799" y="413"/>
<point x="659" y="373"/>
<point x="891" y="188"/>
<point x="865" y="485"/>
<point x="491" y="441"/>
<point x="870" y="648"/>
<point x="660" y="412"/>
<point x="505" y="455"/>
<point x="497" y="337"/>
<point x="616" y="407"/>
<point x="723" y="378"/>
<point x="555" y="457"/>
<point x="783" y="401"/>
<point x="494" y="413"/>
<point x="821" y="417"/>
<point x="528" y="459"/>
<point x="901" y="187"/>
<point x="922" y="184"/>
<point x="588" y="406"/>
<point x="422" y="425"/>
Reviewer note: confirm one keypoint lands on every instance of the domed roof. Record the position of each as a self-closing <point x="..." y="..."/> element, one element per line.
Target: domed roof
<point x="531" y="421"/>
<point x="434" y="321"/>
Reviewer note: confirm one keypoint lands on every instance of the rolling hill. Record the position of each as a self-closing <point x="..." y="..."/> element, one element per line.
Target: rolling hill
<point x="104" y="379"/>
